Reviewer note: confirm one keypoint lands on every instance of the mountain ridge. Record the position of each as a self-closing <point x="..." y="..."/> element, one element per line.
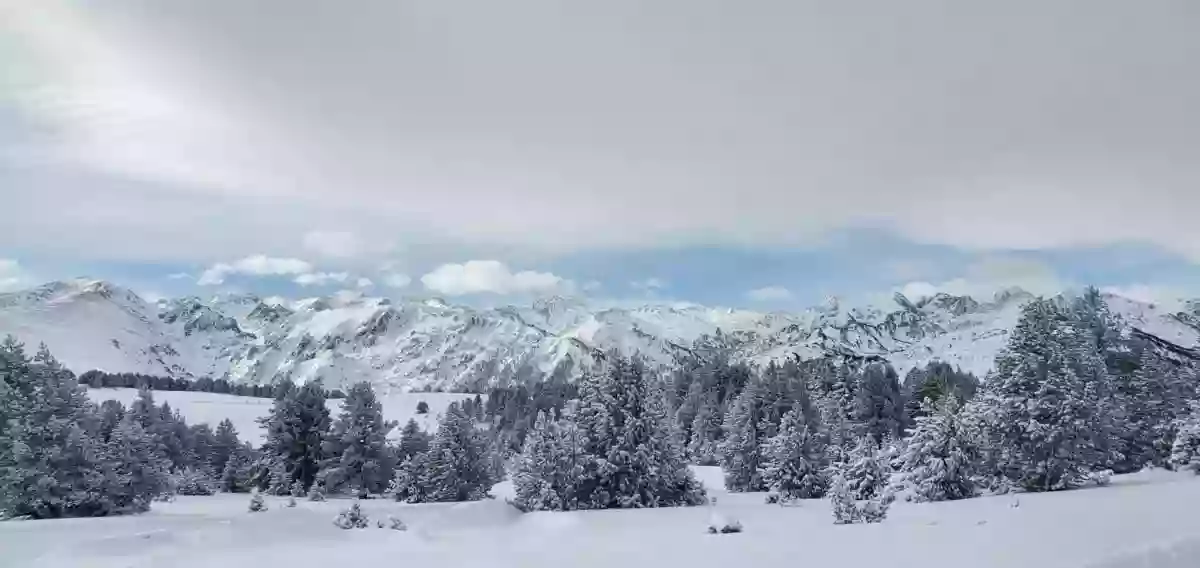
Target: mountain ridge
<point x="432" y="344"/>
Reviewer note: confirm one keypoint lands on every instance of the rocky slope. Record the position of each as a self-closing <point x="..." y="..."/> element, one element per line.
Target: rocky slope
<point x="430" y="344"/>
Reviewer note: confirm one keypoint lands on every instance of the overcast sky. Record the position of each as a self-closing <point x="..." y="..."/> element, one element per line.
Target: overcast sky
<point x="744" y="152"/>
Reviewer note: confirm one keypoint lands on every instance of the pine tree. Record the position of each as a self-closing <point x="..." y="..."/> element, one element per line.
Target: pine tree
<point x="546" y="472"/>
<point x="408" y="482"/>
<point x="936" y="464"/>
<point x="49" y="467"/>
<point x="635" y="458"/>
<point x="225" y="443"/>
<point x="142" y="472"/>
<point x="1185" y="451"/>
<point x="741" y="444"/>
<point x="413" y="441"/>
<point x="860" y="487"/>
<point x="1042" y="411"/>
<point x="357" y="454"/>
<point x="795" y="459"/>
<point x="705" y="436"/>
<point x="878" y="403"/>
<point x="296" y="427"/>
<point x="457" y="467"/>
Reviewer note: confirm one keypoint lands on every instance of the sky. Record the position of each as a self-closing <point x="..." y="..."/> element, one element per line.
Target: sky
<point x="759" y="154"/>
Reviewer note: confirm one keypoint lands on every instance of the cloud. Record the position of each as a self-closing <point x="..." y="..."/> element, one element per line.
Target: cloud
<point x="157" y="121"/>
<point x="333" y="244"/>
<point x="396" y="280"/>
<point x="179" y="276"/>
<point x="364" y="283"/>
<point x="490" y="276"/>
<point x="648" y="285"/>
<point x="321" y="278"/>
<point x="12" y="276"/>
<point x="769" y="294"/>
<point x="1168" y="297"/>
<point x="989" y="275"/>
<point x="257" y="265"/>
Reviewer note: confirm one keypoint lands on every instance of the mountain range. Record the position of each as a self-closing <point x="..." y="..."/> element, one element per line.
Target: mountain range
<point x="430" y="344"/>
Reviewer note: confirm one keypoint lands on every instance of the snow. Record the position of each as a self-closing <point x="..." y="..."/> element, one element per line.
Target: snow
<point x="424" y="345"/>
<point x="1141" y="521"/>
<point x="244" y="411"/>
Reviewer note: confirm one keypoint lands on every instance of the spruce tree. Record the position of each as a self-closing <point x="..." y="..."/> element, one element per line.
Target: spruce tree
<point x="142" y="471"/>
<point x="795" y="459"/>
<point x="50" y="466"/>
<point x="358" y="458"/>
<point x="225" y="443"/>
<point x="878" y="403"/>
<point x="936" y="464"/>
<point x="458" y="467"/>
<point x="296" y="427"/>
<point x="706" y="432"/>
<point x="413" y="441"/>
<point x="1042" y="410"/>
<point x="1185" y="451"/>
<point x="545" y="474"/>
<point x="860" y="488"/>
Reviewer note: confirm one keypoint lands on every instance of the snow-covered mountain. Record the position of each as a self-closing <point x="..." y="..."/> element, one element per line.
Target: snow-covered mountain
<point x="432" y="344"/>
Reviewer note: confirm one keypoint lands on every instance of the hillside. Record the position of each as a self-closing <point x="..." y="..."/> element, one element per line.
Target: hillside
<point x="436" y="345"/>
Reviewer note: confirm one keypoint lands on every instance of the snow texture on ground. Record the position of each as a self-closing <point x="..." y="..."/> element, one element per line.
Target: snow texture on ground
<point x="244" y="411"/>
<point x="1142" y="520"/>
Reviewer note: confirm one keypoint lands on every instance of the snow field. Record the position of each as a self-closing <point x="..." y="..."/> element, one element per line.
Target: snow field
<point x="1142" y="520"/>
<point x="244" y="411"/>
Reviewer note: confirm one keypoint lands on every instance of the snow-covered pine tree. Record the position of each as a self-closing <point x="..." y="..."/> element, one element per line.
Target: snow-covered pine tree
<point x="634" y="459"/>
<point x="257" y="503"/>
<point x="111" y="413"/>
<point x="407" y="483"/>
<point x="49" y="467"/>
<point x="937" y="459"/>
<point x="1042" y="421"/>
<point x="413" y="441"/>
<point x="545" y="473"/>
<point x="878" y="403"/>
<point x="795" y="460"/>
<point x="457" y="466"/>
<point x="296" y="427"/>
<point x="141" y="471"/>
<point x="705" y="433"/>
<point x="358" y="458"/>
<point x="860" y="489"/>
<point x="740" y="446"/>
<point x="1185" y="451"/>
<point x="225" y="443"/>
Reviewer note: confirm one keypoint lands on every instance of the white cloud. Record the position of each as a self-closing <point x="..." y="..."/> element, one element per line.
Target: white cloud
<point x="12" y="276"/>
<point x="333" y="244"/>
<point x="989" y="275"/>
<point x="769" y="294"/>
<point x="276" y="301"/>
<point x="257" y="265"/>
<point x="649" y="284"/>
<point x="364" y="283"/>
<point x="321" y="278"/>
<point x="490" y="276"/>
<point x="179" y="276"/>
<point x="396" y="280"/>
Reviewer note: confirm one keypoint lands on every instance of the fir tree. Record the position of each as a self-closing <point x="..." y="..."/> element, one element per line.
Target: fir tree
<point x="545" y="473"/>
<point x="860" y="489"/>
<point x="457" y="466"/>
<point x="225" y="443"/>
<point x="296" y="427"/>
<point x="795" y="459"/>
<point x="1041" y="410"/>
<point x="936" y="464"/>
<point x="357" y="454"/>
<point x="1185" y="451"/>
<point x="705" y="436"/>
<point x="413" y="441"/>
<point x="135" y="457"/>
<point x="408" y="482"/>
<point x="741" y="444"/>
<point x="50" y="466"/>
<point x="878" y="403"/>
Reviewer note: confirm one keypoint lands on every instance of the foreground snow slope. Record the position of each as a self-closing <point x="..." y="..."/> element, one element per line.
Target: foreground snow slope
<point x="244" y="411"/>
<point x="1143" y="520"/>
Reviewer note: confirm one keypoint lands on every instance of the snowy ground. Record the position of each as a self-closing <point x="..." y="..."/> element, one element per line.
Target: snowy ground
<point x="1141" y="521"/>
<point x="199" y="407"/>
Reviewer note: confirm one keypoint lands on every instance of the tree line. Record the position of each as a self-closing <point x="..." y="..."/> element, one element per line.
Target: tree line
<point x="99" y="379"/>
